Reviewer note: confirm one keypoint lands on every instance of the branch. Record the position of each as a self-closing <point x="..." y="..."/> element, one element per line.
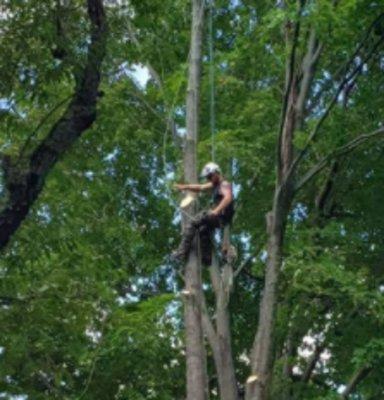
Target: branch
<point x="308" y="66"/>
<point x="41" y="123"/>
<point x="330" y="106"/>
<point x="246" y="262"/>
<point x="312" y="363"/>
<point x="355" y="380"/>
<point x="347" y="148"/>
<point x="289" y="81"/>
<point x="323" y="198"/>
<point x="25" y="185"/>
<point x="342" y="70"/>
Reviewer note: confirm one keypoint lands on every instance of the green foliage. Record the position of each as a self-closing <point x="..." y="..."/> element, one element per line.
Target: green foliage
<point x="87" y="304"/>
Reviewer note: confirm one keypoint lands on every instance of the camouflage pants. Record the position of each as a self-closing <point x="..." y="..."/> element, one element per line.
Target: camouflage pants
<point x="204" y="224"/>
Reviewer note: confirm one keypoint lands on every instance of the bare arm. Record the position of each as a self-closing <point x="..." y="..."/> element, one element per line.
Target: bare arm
<point x="194" y="187"/>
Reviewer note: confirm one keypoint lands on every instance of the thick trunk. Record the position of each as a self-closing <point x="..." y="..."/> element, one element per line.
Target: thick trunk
<point x="25" y="182"/>
<point x="195" y="352"/>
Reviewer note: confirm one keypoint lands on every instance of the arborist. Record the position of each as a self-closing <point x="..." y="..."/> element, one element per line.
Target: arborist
<point x="205" y="223"/>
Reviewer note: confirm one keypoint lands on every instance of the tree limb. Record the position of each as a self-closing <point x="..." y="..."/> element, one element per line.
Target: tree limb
<point x="342" y="70"/>
<point x="308" y="68"/>
<point x="289" y="82"/>
<point x="330" y="106"/>
<point x="355" y="380"/>
<point x="25" y="184"/>
<point x="306" y="376"/>
<point x="347" y="148"/>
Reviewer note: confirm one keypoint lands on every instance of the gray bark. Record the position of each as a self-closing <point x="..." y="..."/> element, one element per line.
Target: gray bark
<point x="219" y="337"/>
<point x="257" y="383"/>
<point x="261" y="353"/>
<point x="195" y="352"/>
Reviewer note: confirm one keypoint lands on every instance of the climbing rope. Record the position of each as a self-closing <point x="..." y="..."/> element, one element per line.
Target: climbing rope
<point x="211" y="78"/>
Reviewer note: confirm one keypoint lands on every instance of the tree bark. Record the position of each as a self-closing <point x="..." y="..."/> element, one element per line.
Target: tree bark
<point x="25" y="179"/>
<point x="224" y="359"/>
<point x="257" y="383"/>
<point x="261" y="353"/>
<point x="195" y="353"/>
<point x="219" y="337"/>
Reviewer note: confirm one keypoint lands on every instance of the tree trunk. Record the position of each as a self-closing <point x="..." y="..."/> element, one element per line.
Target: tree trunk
<point x="224" y="360"/>
<point x="220" y="338"/>
<point x="257" y="383"/>
<point x="195" y="352"/>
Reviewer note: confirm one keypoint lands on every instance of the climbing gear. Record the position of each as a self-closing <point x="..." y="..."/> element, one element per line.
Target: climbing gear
<point x="209" y="169"/>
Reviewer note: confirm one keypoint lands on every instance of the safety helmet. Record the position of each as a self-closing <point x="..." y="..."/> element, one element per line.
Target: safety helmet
<point x="209" y="169"/>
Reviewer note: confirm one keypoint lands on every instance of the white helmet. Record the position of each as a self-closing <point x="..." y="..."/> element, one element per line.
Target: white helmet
<point x="209" y="169"/>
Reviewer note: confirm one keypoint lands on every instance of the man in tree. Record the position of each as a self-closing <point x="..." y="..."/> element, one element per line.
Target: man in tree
<point x="206" y="222"/>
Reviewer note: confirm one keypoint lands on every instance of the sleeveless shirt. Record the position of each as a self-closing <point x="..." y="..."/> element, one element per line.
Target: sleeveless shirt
<point x="227" y="214"/>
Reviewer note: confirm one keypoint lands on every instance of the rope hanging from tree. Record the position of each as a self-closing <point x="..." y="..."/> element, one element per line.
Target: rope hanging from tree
<point x="211" y="78"/>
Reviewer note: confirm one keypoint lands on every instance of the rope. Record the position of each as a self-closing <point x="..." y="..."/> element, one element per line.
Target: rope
<point x="211" y="79"/>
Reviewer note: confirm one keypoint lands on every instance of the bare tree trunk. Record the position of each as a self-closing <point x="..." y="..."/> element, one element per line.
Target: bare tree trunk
<point x="261" y="354"/>
<point x="224" y="361"/>
<point x="195" y="352"/>
<point x="219" y="337"/>
<point x="257" y="383"/>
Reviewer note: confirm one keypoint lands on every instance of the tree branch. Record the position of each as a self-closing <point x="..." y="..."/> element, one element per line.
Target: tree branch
<point x="289" y="82"/>
<point x="342" y="70"/>
<point x="24" y="183"/>
<point x="330" y="106"/>
<point x="246" y="262"/>
<point x="355" y="380"/>
<point x="312" y="363"/>
<point x="347" y="148"/>
<point x="308" y="67"/>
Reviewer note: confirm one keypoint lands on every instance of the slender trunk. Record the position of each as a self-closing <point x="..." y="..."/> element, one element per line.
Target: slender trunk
<point x="256" y="387"/>
<point x="196" y="379"/>
<point x="224" y="361"/>
<point x="223" y="348"/>
<point x="219" y="336"/>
